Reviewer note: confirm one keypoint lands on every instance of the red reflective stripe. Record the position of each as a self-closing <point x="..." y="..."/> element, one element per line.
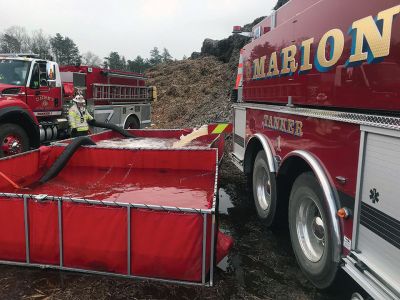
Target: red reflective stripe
<point x="227" y="129"/>
<point x="238" y="80"/>
<point x="211" y="128"/>
<point x="240" y="65"/>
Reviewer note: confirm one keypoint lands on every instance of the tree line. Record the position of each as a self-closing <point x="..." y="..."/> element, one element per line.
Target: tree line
<point x="63" y="50"/>
<point x="115" y="61"/>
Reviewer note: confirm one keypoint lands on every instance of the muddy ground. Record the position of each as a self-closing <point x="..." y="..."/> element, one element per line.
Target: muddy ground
<point x="260" y="266"/>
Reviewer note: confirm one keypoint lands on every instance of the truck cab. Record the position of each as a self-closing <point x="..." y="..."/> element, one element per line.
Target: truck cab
<point x="33" y="81"/>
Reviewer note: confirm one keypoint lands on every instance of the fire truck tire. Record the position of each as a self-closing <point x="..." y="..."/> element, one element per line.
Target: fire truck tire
<point x="310" y="232"/>
<point x="264" y="189"/>
<point x="13" y="140"/>
<point x="132" y="123"/>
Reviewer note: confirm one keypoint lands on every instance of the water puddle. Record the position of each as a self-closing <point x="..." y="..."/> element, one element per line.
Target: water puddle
<point x="225" y="202"/>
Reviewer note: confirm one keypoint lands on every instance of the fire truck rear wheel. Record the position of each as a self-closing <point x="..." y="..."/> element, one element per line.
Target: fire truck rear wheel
<point x="264" y="189"/>
<point x="132" y="123"/>
<point x="310" y="232"/>
<point x="13" y="140"/>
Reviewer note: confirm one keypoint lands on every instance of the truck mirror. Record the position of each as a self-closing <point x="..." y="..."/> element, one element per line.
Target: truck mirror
<point x="51" y="71"/>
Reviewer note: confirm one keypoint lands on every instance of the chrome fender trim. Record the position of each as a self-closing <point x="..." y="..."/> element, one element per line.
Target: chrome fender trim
<point x="331" y="197"/>
<point x="269" y="151"/>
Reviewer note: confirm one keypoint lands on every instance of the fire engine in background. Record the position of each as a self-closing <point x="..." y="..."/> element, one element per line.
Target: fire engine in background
<point x="317" y="131"/>
<point x="36" y="95"/>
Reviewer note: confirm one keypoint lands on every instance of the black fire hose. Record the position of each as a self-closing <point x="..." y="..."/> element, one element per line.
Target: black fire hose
<point x="65" y="156"/>
<point x="113" y="127"/>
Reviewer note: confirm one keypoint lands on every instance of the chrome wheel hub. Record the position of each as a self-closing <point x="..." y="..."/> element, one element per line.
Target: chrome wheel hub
<point x="263" y="185"/>
<point x="311" y="230"/>
<point x="11" y="145"/>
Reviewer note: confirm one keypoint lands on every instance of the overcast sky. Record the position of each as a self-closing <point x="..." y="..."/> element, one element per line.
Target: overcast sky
<point x="133" y="27"/>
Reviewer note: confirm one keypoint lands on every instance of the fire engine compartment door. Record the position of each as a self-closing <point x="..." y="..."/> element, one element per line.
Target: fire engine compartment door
<point x="118" y="114"/>
<point x="376" y="233"/>
<point x="239" y="132"/>
<point x="79" y="80"/>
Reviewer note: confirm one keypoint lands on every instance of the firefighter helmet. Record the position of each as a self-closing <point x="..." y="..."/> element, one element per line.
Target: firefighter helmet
<point x="79" y="99"/>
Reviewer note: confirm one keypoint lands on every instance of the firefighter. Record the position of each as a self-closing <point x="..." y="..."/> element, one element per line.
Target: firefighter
<point x="79" y="117"/>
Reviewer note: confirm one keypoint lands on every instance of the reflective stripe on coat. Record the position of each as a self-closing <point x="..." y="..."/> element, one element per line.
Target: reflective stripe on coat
<point x="77" y="120"/>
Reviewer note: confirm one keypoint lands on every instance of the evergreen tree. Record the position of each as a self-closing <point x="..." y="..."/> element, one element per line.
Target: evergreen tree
<point x="123" y="64"/>
<point x="166" y="56"/>
<point x="155" y="57"/>
<point x="138" y="64"/>
<point x="71" y="54"/>
<point x="65" y="50"/>
<point x="56" y="44"/>
<point x="114" y="61"/>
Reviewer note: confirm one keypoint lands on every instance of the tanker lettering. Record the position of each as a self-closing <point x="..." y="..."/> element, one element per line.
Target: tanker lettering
<point x="370" y="43"/>
<point x="285" y="125"/>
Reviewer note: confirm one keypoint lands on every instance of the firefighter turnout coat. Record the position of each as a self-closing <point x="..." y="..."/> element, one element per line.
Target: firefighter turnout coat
<point x="78" y="120"/>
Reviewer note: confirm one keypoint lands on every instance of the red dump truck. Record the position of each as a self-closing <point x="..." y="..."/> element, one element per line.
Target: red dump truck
<point x="317" y="132"/>
<point x="35" y="97"/>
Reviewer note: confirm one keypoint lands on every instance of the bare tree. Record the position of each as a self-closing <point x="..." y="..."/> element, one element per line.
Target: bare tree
<point x="91" y="59"/>
<point x="40" y="44"/>
<point x="15" y="39"/>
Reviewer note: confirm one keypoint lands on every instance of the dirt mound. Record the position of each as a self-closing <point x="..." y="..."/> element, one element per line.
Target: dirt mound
<point x="196" y="91"/>
<point x="191" y="92"/>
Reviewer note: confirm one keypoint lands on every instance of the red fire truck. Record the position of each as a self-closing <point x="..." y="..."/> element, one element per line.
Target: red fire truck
<point x="317" y="132"/>
<point x="35" y="97"/>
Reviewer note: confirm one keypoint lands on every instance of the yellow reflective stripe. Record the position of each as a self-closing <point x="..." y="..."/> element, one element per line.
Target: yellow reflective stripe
<point x="82" y="128"/>
<point x="72" y="122"/>
<point x="88" y="117"/>
<point x="220" y="128"/>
